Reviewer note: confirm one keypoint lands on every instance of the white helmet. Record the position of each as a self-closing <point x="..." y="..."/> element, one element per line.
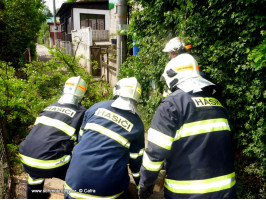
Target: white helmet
<point x="128" y="87"/>
<point x="175" y="45"/>
<point x="179" y="69"/>
<point x="75" y="86"/>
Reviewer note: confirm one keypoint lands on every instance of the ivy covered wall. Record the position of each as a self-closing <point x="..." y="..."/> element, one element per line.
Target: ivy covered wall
<point x="228" y="39"/>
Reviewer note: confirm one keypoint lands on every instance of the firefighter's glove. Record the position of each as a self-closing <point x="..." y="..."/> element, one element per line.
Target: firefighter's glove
<point x="145" y="192"/>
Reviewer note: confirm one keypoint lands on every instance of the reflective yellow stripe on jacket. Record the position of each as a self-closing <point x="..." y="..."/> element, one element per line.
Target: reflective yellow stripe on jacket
<point x="204" y="126"/>
<point x="56" y="124"/>
<point x="160" y="139"/>
<point x="150" y="165"/>
<point x="107" y="132"/>
<point x="201" y="186"/>
<point x="79" y="195"/>
<point x="136" y="175"/>
<point x="45" y="164"/>
<point x="136" y="155"/>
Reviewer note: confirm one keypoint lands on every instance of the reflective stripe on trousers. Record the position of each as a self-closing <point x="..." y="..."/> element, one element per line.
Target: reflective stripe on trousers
<point x="201" y="186"/>
<point x="32" y="181"/>
<point x="78" y="195"/>
<point x="45" y="164"/>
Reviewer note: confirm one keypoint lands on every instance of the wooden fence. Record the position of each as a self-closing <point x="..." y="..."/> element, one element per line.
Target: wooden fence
<point x="109" y="61"/>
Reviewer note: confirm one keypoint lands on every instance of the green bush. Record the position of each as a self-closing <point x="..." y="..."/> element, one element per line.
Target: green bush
<point x="26" y="92"/>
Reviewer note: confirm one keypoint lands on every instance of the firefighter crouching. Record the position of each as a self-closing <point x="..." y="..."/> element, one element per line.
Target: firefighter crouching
<point x="189" y="135"/>
<point x="46" y="151"/>
<point x="111" y="137"/>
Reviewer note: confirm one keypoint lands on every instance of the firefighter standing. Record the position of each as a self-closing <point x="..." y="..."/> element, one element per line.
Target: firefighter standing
<point x="191" y="137"/>
<point x="174" y="47"/>
<point x="111" y="136"/>
<point x="46" y="151"/>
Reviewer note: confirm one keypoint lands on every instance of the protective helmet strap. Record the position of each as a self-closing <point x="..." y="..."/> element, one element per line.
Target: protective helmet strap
<point x="173" y="83"/>
<point x="171" y="73"/>
<point x="117" y="87"/>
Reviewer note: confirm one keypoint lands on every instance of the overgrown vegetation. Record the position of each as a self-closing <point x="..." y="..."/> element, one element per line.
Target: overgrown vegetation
<point x="28" y="91"/>
<point x="20" y="22"/>
<point x="43" y="34"/>
<point x="228" y="38"/>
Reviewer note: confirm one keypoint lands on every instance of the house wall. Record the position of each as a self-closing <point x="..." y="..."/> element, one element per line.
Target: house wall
<point x="113" y="27"/>
<point x="83" y="38"/>
<point x="78" y="11"/>
<point x="85" y="34"/>
<point x="63" y="23"/>
<point x="83" y="49"/>
<point x="51" y="34"/>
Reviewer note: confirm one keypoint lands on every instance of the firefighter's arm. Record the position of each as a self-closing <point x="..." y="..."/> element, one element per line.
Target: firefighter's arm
<point x="88" y="114"/>
<point x="135" y="155"/>
<point x="160" y="138"/>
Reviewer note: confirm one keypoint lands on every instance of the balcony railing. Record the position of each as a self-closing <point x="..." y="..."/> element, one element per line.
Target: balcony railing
<point x="100" y="35"/>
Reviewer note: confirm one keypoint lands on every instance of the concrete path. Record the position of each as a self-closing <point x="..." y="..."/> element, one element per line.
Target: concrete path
<point x="43" y="53"/>
<point x="53" y="184"/>
<point x="55" y="187"/>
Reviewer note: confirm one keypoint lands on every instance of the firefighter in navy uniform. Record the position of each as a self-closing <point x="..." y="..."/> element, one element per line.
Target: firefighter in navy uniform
<point x="46" y="151"/>
<point x="111" y="137"/>
<point x="174" y="47"/>
<point x="189" y="135"/>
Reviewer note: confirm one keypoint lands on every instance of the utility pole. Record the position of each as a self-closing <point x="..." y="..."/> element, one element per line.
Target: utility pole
<point x="43" y="29"/>
<point x="121" y="39"/>
<point x="43" y="33"/>
<point x="55" y="27"/>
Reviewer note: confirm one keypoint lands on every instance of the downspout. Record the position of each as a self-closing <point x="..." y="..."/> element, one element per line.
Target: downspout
<point x="121" y="39"/>
<point x="55" y="27"/>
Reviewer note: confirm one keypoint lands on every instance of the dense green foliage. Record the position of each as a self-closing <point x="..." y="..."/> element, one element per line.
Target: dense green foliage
<point x="26" y="92"/>
<point x="228" y="38"/>
<point x="20" y="22"/>
<point x="43" y="34"/>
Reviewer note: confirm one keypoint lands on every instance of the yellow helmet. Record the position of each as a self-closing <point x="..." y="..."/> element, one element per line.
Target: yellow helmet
<point x="128" y="87"/>
<point x="75" y="86"/>
<point x="179" y="69"/>
<point x="176" y="45"/>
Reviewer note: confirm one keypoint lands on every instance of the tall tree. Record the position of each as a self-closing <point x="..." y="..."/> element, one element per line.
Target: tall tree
<point x="47" y="12"/>
<point x="22" y="21"/>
